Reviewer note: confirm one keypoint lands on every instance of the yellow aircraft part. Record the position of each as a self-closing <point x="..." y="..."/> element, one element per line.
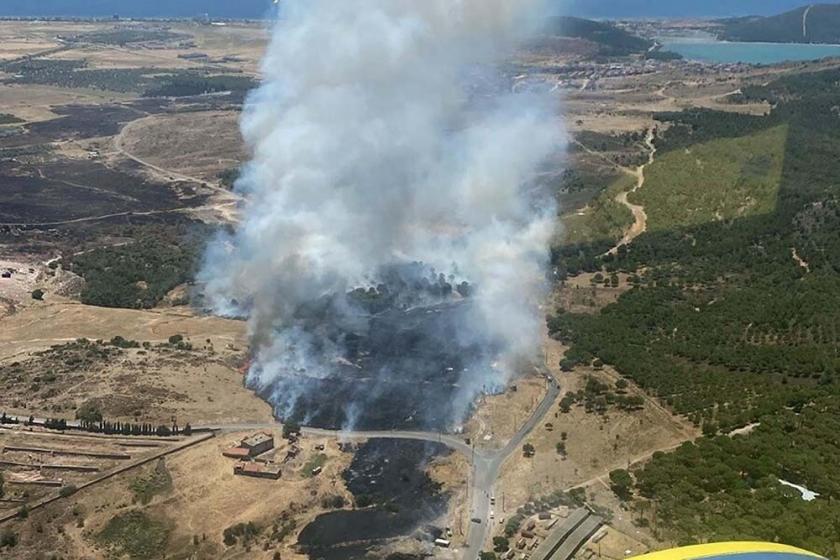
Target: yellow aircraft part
<point x="700" y="551"/>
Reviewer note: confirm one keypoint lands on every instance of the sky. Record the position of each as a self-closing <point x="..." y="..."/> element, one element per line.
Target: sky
<point x="258" y="8"/>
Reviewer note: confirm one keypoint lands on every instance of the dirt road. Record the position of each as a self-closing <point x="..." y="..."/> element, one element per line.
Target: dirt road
<point x="225" y="202"/>
<point x="639" y="216"/>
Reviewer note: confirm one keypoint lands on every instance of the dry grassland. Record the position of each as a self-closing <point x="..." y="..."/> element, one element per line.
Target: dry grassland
<point x="199" y="145"/>
<point x="201" y="499"/>
<point x="595" y="444"/>
<point x="200" y="386"/>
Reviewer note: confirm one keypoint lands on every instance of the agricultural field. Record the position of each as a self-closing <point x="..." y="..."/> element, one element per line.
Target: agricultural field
<point x="43" y="467"/>
<point x="188" y="503"/>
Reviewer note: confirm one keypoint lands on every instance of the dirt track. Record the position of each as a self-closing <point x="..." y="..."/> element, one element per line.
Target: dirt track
<point x="639" y="215"/>
<point x="225" y="202"/>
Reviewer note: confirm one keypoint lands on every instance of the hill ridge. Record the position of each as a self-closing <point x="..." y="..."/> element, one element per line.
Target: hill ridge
<point x="812" y="23"/>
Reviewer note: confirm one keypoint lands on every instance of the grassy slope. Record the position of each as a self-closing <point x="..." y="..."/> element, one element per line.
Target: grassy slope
<point x="604" y="218"/>
<point x="719" y="180"/>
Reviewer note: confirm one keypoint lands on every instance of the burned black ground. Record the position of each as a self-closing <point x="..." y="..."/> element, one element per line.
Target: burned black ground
<point x="65" y="190"/>
<point x="403" y="369"/>
<point x="394" y="496"/>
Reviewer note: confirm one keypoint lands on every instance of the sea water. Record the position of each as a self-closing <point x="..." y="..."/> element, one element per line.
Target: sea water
<point x="712" y="50"/>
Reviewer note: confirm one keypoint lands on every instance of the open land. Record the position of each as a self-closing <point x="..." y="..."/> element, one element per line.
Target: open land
<point x="121" y="144"/>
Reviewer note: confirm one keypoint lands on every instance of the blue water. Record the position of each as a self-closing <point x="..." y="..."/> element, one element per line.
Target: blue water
<point x="710" y="50"/>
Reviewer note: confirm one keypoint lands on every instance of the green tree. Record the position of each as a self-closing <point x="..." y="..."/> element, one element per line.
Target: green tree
<point x="621" y="483"/>
<point x="38" y="294"/>
<point x="501" y="544"/>
<point x="8" y="539"/>
<point x="89" y="414"/>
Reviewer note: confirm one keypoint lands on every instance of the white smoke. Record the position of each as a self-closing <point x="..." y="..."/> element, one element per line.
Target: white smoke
<point x="371" y="146"/>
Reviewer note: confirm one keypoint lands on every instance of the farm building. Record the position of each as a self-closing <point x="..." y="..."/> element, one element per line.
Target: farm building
<point x="251" y="446"/>
<point x="236" y="453"/>
<point x="257" y="470"/>
<point x="258" y="444"/>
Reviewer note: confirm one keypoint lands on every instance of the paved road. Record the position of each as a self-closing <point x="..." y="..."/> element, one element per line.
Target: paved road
<point x="453" y="442"/>
<point x="486" y="470"/>
<point x="486" y="465"/>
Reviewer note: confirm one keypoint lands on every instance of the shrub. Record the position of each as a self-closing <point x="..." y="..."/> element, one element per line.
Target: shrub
<point x="333" y="502"/>
<point x="291" y="428"/>
<point x="89" y="414"/>
<point x="8" y="539"/>
<point x="245" y="531"/>
<point x="121" y="342"/>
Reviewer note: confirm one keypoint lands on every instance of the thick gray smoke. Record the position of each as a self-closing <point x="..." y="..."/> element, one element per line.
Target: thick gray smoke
<point x="373" y="146"/>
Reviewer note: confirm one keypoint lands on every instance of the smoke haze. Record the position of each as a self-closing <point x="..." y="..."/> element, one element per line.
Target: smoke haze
<point x="380" y="138"/>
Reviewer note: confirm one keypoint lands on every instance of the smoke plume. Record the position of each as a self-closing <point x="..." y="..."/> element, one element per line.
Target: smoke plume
<point x="389" y="154"/>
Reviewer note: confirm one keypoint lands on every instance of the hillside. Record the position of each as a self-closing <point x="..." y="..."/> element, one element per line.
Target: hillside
<point x="609" y="39"/>
<point x="730" y="316"/>
<point x="682" y="9"/>
<point x="818" y="23"/>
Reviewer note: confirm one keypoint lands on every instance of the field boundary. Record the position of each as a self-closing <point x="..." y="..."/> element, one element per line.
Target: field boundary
<point x="109" y="475"/>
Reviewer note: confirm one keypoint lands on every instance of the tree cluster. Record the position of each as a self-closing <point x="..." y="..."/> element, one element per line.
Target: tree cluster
<point x="732" y="323"/>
